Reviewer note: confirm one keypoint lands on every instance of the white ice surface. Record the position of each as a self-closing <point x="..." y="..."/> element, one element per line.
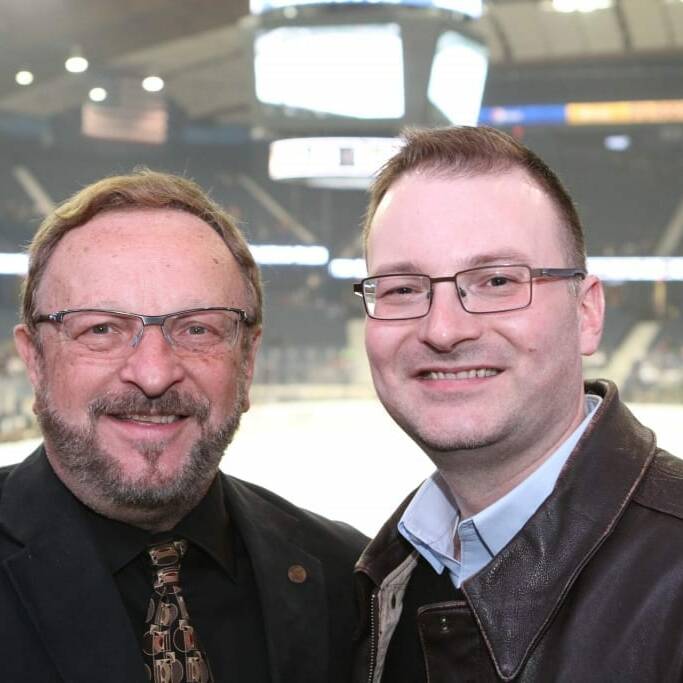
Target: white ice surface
<point x="346" y="459"/>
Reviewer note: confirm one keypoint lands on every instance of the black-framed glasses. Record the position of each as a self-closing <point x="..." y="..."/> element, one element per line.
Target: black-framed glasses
<point x="115" y="333"/>
<point x="487" y="289"/>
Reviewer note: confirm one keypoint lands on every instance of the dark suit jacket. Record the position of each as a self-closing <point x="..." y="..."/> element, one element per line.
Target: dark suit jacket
<point x="62" y="620"/>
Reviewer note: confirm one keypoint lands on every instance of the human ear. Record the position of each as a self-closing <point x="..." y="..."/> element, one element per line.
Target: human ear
<point x="28" y="349"/>
<point x="248" y="363"/>
<point x="591" y="303"/>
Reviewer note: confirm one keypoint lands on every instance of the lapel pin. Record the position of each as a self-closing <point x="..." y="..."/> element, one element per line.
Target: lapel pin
<point x="297" y="574"/>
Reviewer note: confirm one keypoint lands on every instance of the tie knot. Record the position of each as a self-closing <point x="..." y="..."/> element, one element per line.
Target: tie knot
<point x="166" y="559"/>
<point x="168" y="554"/>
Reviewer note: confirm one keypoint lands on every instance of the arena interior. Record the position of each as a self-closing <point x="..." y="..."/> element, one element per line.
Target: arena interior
<point x="283" y="110"/>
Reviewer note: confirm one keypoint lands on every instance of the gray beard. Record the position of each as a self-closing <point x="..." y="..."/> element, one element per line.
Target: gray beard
<point x="87" y="463"/>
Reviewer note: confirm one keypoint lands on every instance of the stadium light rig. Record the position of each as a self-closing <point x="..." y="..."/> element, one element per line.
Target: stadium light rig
<point x="472" y="8"/>
<point x="584" y="6"/>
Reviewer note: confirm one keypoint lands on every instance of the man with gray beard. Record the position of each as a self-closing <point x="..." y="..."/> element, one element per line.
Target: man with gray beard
<point x="124" y="554"/>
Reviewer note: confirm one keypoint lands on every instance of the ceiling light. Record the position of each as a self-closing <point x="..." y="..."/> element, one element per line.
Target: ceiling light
<point x="153" y="84"/>
<point x="98" y="94"/>
<point x="24" y="77"/>
<point x="76" y="63"/>
<point x="617" y="143"/>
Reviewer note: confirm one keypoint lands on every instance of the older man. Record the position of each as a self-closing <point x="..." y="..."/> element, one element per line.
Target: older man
<point x="548" y="544"/>
<point x="124" y="555"/>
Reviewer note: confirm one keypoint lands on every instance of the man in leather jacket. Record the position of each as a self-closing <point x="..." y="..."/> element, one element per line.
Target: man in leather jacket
<point x="548" y="544"/>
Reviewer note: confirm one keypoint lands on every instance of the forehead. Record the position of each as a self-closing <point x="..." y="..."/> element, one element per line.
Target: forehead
<point x="139" y="257"/>
<point x="451" y="222"/>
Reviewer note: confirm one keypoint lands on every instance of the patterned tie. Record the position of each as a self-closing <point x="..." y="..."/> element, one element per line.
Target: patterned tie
<point x="173" y="653"/>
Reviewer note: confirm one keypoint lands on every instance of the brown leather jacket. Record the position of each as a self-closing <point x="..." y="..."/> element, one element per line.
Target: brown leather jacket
<point x="590" y="589"/>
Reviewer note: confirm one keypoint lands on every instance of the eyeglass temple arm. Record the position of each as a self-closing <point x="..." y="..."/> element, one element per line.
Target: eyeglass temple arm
<point x="558" y="272"/>
<point x="50" y="317"/>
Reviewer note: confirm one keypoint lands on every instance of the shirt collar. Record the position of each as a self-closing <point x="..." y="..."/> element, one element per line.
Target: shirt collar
<point x="432" y="519"/>
<point x="500" y="521"/>
<point x="206" y="526"/>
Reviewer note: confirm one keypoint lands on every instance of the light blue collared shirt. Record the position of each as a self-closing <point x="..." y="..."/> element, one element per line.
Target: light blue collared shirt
<point x="432" y="519"/>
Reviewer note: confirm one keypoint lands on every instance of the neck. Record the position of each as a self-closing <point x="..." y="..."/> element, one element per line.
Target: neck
<point x="155" y="521"/>
<point x="478" y="477"/>
<point x="153" y="516"/>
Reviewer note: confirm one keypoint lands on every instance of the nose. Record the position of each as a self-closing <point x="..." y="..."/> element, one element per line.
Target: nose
<point x="448" y="324"/>
<point x="152" y="365"/>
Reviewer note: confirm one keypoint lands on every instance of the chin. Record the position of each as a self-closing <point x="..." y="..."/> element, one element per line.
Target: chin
<point x="449" y="444"/>
<point x="440" y="437"/>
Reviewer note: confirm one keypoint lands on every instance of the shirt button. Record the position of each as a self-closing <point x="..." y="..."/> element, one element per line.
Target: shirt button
<point x="297" y="574"/>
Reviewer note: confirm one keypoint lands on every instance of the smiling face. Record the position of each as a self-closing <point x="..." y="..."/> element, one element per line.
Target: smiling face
<point x="507" y="384"/>
<point x="138" y="438"/>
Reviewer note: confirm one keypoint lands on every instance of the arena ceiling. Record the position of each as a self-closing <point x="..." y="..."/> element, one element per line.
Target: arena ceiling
<point x="198" y="49"/>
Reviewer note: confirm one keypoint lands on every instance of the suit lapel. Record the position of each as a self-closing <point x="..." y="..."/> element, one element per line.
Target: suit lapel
<point x="291" y="585"/>
<point x="67" y="591"/>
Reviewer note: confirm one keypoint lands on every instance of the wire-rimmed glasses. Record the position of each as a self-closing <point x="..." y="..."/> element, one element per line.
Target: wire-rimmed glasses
<point x="115" y="333"/>
<point x="487" y="289"/>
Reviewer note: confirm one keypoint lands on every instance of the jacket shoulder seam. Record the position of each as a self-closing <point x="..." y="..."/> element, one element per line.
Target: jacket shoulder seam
<point x="662" y="487"/>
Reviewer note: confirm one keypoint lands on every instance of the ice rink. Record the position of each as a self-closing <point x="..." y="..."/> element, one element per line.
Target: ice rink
<point x="346" y="459"/>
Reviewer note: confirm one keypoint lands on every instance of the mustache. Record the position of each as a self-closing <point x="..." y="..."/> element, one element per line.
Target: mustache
<point x="132" y="402"/>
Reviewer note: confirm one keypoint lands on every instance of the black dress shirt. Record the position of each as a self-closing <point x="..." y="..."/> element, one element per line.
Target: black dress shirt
<point x="217" y="580"/>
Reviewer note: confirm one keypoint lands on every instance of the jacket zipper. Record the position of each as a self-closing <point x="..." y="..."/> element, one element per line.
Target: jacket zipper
<point x="373" y="636"/>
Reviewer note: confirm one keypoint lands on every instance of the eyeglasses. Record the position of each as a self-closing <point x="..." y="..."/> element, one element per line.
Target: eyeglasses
<point x="488" y="289"/>
<point x="114" y="333"/>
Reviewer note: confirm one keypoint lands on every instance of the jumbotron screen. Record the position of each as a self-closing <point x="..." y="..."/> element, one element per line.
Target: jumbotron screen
<point x="457" y="78"/>
<point x="351" y="71"/>
<point x="358" y="72"/>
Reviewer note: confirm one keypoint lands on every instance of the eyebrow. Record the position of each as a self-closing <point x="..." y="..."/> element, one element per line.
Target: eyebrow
<point x="491" y="258"/>
<point x="113" y="306"/>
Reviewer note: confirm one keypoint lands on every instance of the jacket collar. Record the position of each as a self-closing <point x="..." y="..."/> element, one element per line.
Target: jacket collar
<point x="59" y="576"/>
<point x="516" y="595"/>
<point x="293" y="602"/>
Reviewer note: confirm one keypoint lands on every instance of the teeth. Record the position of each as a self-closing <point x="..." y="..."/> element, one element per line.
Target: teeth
<point x="156" y="419"/>
<point x="463" y="374"/>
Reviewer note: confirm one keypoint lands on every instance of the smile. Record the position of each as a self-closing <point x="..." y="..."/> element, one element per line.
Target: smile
<point x="461" y="374"/>
<point x="152" y="419"/>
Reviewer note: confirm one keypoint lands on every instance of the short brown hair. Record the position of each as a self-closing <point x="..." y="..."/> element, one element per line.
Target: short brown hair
<point x="468" y="150"/>
<point x="142" y="189"/>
